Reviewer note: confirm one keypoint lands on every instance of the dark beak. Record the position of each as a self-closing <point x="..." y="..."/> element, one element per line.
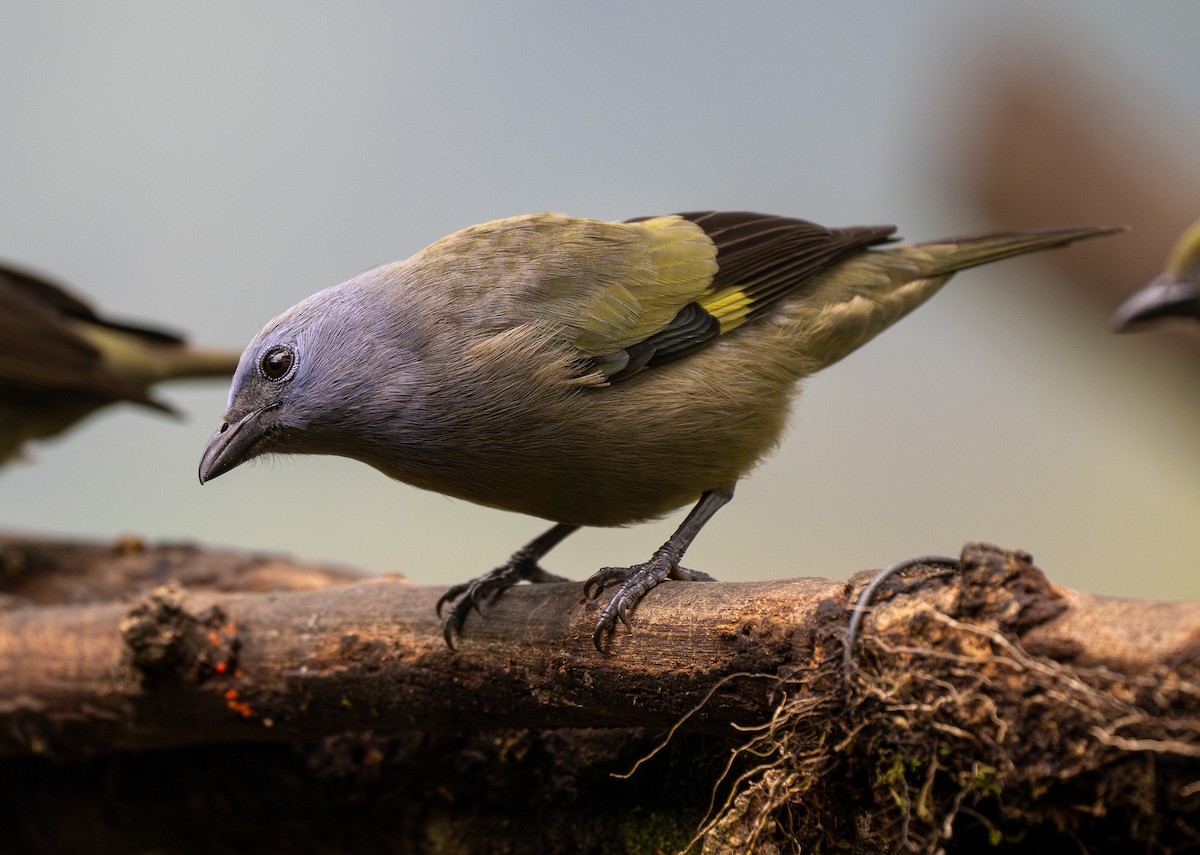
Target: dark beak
<point x="231" y="445"/>
<point x="1162" y="298"/>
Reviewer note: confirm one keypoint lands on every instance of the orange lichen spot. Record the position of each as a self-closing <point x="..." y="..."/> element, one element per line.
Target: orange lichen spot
<point x="232" y="695"/>
<point x="241" y="709"/>
<point x="214" y="639"/>
<point x="221" y="667"/>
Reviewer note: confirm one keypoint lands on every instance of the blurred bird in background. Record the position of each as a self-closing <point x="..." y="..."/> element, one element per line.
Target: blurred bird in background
<point x="586" y="372"/>
<point x="60" y="361"/>
<point x="1174" y="293"/>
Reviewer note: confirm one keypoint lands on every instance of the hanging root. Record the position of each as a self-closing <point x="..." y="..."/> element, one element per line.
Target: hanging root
<point x="968" y="742"/>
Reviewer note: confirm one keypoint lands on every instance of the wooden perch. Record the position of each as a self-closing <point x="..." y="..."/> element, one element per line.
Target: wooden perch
<point x="988" y="702"/>
<point x="370" y="655"/>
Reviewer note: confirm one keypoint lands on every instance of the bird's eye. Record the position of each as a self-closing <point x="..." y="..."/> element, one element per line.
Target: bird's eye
<point x="278" y="363"/>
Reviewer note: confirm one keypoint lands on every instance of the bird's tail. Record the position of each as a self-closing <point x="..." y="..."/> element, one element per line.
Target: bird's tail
<point x="198" y="362"/>
<point x="144" y="360"/>
<point x="854" y="301"/>
<point x="943" y="258"/>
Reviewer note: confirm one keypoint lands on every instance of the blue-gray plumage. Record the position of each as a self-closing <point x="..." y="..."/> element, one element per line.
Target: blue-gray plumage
<point x="587" y="372"/>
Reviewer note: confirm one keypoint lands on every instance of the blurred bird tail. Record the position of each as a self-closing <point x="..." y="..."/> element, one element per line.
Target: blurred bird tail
<point x="144" y="361"/>
<point x="187" y="361"/>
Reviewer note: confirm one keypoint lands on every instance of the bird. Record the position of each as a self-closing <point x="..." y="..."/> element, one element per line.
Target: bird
<point x="587" y="372"/>
<point x="60" y="361"/>
<point x="1173" y="293"/>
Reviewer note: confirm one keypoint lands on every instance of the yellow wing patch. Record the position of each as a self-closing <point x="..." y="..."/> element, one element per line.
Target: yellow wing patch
<point x="730" y="306"/>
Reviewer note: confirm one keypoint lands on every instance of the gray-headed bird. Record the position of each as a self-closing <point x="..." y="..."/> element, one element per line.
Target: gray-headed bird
<point x="1173" y="293"/>
<point x="60" y="361"/>
<point x="590" y="373"/>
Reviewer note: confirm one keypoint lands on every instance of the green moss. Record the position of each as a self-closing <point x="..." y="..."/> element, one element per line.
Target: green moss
<point x="984" y="781"/>
<point x="647" y="832"/>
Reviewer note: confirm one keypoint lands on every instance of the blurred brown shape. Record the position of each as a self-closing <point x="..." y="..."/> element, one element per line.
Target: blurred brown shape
<point x="1058" y="143"/>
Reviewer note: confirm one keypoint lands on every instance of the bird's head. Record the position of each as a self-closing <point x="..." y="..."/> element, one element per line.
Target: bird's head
<point x="312" y="381"/>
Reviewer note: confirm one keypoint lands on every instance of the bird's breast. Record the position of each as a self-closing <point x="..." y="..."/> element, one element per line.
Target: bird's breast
<point x="601" y="456"/>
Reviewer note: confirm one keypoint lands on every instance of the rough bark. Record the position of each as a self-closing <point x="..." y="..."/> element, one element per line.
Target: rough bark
<point x="987" y="705"/>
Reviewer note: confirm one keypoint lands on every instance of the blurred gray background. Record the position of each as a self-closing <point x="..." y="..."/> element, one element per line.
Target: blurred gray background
<point x="205" y="166"/>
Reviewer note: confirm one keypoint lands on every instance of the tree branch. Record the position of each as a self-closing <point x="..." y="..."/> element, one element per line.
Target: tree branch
<point x="991" y="694"/>
<point x="370" y="655"/>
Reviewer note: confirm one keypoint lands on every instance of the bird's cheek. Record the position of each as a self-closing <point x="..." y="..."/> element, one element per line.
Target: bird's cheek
<point x="294" y="432"/>
<point x="292" y="421"/>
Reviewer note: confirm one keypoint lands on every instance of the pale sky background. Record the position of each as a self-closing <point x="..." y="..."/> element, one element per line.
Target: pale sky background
<point x="205" y="166"/>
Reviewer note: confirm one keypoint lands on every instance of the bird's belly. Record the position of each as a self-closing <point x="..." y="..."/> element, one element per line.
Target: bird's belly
<point x="614" y="470"/>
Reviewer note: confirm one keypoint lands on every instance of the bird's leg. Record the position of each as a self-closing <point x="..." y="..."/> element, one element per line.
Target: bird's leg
<point x="636" y="581"/>
<point x="864" y="599"/>
<point x="523" y="566"/>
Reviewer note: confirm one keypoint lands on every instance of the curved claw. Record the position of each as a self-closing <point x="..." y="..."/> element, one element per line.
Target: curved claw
<point x="469" y="590"/>
<point x="475" y="594"/>
<point x="471" y="596"/>
<point x="451" y="627"/>
<point x="616" y="609"/>
<point x="452" y="593"/>
<point x="623" y="610"/>
<point x="604" y="577"/>
<point x="457" y="617"/>
<point x="598" y="636"/>
<point x="523" y="566"/>
<point x="636" y="582"/>
<point x="455" y="620"/>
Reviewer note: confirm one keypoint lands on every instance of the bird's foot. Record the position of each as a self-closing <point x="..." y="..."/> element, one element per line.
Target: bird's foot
<point x="633" y="583"/>
<point x="466" y="596"/>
